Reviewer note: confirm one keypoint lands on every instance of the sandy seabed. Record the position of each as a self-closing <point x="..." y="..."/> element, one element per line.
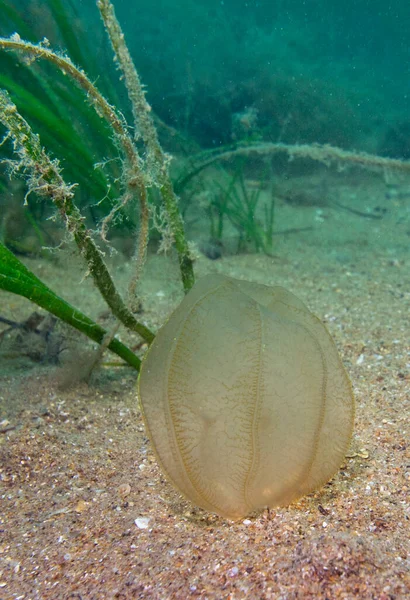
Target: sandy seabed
<point x="87" y="514"/>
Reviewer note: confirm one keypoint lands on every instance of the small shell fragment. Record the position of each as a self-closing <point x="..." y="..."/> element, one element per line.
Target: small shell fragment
<point x="142" y="522"/>
<point x="362" y="453"/>
<point x="81" y="506"/>
<point x="124" y="490"/>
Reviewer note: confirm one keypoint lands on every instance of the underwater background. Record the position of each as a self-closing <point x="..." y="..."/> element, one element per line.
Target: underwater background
<point x="216" y="74"/>
<point x="286" y="128"/>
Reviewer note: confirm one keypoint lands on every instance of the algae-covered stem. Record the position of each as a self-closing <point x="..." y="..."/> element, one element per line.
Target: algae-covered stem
<point x="133" y="176"/>
<point x="324" y="153"/>
<point x="45" y="179"/>
<point x="156" y="160"/>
